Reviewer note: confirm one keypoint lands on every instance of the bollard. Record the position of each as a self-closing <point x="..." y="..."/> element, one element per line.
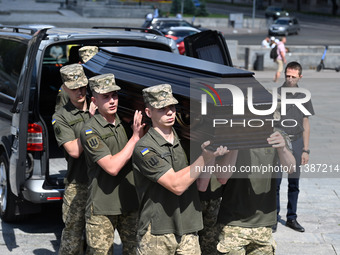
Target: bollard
<point x="258" y="64"/>
<point x="246" y="58"/>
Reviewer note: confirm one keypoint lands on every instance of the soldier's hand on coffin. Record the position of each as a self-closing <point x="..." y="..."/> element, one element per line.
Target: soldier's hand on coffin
<point x="210" y="168"/>
<point x="226" y="165"/>
<point x="209" y="155"/>
<point x="276" y="140"/>
<point x="138" y="126"/>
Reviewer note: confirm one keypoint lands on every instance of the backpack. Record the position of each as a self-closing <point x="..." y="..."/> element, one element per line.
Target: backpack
<point x="273" y="53"/>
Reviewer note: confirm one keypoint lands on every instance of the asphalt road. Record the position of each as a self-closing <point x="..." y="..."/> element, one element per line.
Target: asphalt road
<point x="315" y="30"/>
<point x="310" y="34"/>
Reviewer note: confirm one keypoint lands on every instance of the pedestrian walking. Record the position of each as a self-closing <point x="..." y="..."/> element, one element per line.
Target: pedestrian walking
<point x="281" y="58"/>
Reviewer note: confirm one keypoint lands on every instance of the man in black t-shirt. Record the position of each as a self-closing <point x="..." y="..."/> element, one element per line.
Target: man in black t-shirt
<point x="299" y="136"/>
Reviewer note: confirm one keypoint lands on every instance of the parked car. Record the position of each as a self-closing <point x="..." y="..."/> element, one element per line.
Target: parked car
<point x="163" y="24"/>
<point x="178" y="34"/>
<point x="284" y="26"/>
<point x="275" y="12"/>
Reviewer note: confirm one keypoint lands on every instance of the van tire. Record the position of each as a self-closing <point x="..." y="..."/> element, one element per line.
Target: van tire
<point x="7" y="198"/>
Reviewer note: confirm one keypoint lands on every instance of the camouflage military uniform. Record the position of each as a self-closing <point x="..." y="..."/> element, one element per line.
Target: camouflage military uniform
<point x="208" y="235"/>
<point x="168" y="223"/>
<point x="99" y="226"/>
<point x="248" y="207"/>
<point x="150" y="244"/>
<point x="112" y="202"/>
<point x="240" y="240"/>
<point x="67" y="123"/>
<point x="210" y="201"/>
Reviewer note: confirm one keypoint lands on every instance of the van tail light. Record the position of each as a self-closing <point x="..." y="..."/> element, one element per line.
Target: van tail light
<point x="34" y="137"/>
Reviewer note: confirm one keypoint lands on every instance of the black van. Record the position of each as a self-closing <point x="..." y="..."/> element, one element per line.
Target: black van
<point x="32" y="167"/>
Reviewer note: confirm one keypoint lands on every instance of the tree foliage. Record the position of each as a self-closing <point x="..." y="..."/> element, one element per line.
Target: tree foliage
<point x="188" y="8"/>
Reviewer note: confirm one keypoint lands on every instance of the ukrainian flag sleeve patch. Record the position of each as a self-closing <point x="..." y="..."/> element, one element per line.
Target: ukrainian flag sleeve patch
<point x="145" y="151"/>
<point x="88" y="131"/>
<point x="53" y="121"/>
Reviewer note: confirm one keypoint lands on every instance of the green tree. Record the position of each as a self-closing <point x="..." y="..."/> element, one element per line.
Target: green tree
<point x="188" y="7"/>
<point x="175" y="7"/>
<point x="201" y="11"/>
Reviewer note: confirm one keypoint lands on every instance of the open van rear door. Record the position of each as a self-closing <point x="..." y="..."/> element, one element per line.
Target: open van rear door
<point x="20" y="111"/>
<point x="208" y="45"/>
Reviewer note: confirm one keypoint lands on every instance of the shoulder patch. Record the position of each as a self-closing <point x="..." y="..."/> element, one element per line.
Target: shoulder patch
<point x="153" y="161"/>
<point x="88" y="131"/>
<point x="53" y="121"/>
<point x="57" y="130"/>
<point x="93" y="142"/>
<point x="145" y="151"/>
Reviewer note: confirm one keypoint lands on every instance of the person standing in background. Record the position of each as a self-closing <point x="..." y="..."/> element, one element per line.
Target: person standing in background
<point x="266" y="43"/>
<point x="155" y="12"/>
<point x="299" y="136"/>
<point x="281" y="58"/>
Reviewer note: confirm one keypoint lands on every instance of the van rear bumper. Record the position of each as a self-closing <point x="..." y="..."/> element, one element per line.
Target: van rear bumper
<point x="35" y="193"/>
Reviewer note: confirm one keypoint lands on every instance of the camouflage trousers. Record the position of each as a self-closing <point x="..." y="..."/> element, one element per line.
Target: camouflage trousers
<point x="168" y="244"/>
<point x="74" y="202"/>
<point x="208" y="235"/>
<point x="100" y="233"/>
<point x="250" y="241"/>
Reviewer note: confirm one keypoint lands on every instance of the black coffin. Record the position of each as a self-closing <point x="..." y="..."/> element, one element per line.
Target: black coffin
<point x="136" y="68"/>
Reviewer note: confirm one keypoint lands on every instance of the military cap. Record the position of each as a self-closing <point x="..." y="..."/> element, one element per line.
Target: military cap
<point x="159" y="96"/>
<point x="73" y="76"/>
<point x="103" y="83"/>
<point x="87" y="52"/>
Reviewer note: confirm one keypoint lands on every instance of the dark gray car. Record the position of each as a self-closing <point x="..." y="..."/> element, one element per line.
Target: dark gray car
<point x="284" y="26"/>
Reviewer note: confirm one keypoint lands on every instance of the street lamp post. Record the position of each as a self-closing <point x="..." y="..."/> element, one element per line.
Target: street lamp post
<point x="254" y="6"/>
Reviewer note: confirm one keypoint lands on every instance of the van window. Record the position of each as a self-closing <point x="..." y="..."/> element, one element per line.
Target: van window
<point x="60" y="55"/>
<point x="12" y="54"/>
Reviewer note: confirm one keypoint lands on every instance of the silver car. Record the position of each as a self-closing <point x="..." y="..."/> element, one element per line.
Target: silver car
<point x="284" y="26"/>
